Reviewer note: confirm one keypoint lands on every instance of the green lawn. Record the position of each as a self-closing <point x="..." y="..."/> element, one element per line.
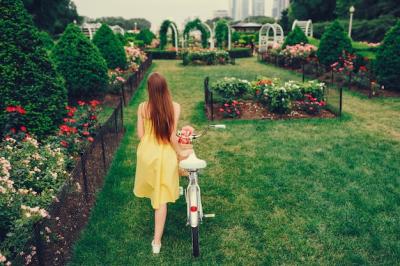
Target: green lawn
<point x="292" y="192"/>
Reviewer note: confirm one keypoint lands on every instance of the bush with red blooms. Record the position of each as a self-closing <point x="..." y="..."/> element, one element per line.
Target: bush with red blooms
<point x="345" y="64"/>
<point x="311" y="105"/>
<point x="231" y="109"/>
<point x="15" y="123"/>
<point x="79" y="126"/>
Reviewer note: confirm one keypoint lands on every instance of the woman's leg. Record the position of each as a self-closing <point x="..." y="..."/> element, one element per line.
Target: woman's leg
<point x="159" y="221"/>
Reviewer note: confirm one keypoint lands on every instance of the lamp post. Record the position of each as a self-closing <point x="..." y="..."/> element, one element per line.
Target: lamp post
<point x="351" y="10"/>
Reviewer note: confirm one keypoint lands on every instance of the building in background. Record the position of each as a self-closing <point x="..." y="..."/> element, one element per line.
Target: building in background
<point x="278" y="6"/>
<point x="240" y="9"/>
<point x="258" y="8"/>
<point x="221" y="13"/>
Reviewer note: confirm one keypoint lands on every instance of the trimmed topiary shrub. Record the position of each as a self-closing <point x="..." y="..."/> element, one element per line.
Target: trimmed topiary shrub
<point x="333" y="43"/>
<point x="388" y="59"/>
<point x="81" y="64"/>
<point x="163" y="33"/>
<point x="110" y="47"/>
<point x="27" y="77"/>
<point x="196" y="24"/>
<point x="296" y="36"/>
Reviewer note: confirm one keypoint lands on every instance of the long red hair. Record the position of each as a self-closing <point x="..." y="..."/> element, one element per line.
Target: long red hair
<point x="161" y="107"/>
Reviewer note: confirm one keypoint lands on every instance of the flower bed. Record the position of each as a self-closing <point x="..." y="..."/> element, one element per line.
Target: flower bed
<point x="205" y="57"/>
<point x="267" y="98"/>
<point x="32" y="172"/>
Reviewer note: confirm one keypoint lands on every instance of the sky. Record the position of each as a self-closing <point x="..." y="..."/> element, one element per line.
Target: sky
<point x="154" y="10"/>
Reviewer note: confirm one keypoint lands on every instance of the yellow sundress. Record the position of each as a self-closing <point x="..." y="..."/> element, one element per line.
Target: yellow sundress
<point x="157" y="175"/>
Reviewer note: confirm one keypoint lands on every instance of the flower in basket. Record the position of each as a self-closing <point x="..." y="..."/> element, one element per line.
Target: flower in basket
<point x="185" y="135"/>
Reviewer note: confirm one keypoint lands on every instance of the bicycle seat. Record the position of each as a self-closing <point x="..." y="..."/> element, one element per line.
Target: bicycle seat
<point x="192" y="162"/>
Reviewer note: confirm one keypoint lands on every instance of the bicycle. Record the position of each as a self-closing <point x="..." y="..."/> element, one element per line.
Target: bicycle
<point x="193" y="194"/>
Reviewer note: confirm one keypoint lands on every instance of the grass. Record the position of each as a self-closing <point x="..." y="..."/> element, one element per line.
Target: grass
<point x="284" y="192"/>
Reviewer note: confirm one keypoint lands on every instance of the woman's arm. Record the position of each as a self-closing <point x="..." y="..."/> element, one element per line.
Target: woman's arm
<point x="182" y="153"/>
<point x="140" y="128"/>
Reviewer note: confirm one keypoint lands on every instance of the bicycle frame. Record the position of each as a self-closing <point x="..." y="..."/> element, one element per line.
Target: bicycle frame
<point x="193" y="200"/>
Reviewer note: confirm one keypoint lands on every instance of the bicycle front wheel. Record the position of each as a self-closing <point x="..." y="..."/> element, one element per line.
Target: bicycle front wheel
<point x="195" y="241"/>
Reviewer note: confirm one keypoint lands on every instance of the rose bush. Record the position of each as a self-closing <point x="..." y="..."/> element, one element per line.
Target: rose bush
<point x="205" y="56"/>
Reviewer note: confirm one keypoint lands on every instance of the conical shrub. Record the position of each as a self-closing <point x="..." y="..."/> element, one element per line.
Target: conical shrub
<point x="81" y="64"/>
<point x="27" y="76"/>
<point x="388" y="59"/>
<point x="110" y="47"/>
<point x="333" y="42"/>
<point x="294" y="37"/>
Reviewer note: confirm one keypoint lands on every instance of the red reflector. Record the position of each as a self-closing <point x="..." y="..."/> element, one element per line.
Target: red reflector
<point x="193" y="208"/>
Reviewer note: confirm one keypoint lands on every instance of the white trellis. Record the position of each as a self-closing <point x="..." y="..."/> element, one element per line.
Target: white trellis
<point x="305" y="25"/>
<point x="229" y="34"/>
<point x="211" y="35"/>
<point x="266" y="39"/>
<point x="172" y="25"/>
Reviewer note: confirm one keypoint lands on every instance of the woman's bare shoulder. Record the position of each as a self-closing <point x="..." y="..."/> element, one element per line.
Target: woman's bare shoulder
<point x="176" y="105"/>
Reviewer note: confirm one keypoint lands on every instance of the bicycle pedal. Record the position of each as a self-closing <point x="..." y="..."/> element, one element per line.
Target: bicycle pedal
<point x="209" y="215"/>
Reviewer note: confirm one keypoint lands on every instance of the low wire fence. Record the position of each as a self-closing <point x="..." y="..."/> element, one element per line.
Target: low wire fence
<point x="54" y="236"/>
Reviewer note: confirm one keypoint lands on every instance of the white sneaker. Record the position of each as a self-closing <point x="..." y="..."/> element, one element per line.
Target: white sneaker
<point x="156" y="248"/>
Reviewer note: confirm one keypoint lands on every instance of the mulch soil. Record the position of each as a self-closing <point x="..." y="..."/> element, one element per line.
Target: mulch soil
<point x="251" y="110"/>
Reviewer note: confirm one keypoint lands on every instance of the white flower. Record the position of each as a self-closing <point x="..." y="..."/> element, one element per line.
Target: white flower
<point x="2" y="258"/>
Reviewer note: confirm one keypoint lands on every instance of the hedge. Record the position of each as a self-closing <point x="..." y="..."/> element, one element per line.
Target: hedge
<point x="162" y="54"/>
<point x="363" y="30"/>
<point x="27" y="76"/>
<point x="240" y="52"/>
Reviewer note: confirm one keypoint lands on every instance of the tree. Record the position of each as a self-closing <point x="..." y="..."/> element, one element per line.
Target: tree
<point x="388" y="59"/>
<point x="316" y="10"/>
<point x="284" y="21"/>
<point x="333" y="42"/>
<point x="52" y="15"/>
<point x="295" y="36"/>
<point x="110" y="47"/>
<point x="127" y="24"/>
<point x="146" y="36"/>
<point x="81" y="64"/>
<point x="27" y="77"/>
<point x="368" y="9"/>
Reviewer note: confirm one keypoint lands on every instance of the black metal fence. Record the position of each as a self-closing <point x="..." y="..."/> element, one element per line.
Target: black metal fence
<point x="53" y="237"/>
<point x="208" y="99"/>
<point x="134" y="80"/>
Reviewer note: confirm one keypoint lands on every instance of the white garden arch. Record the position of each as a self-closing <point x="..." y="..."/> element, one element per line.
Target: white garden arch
<point x="305" y="25"/>
<point x="229" y="33"/>
<point x="172" y="25"/>
<point x="266" y="39"/>
<point x="211" y="39"/>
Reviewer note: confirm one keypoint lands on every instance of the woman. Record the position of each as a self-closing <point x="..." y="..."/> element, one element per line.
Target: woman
<point x="158" y="152"/>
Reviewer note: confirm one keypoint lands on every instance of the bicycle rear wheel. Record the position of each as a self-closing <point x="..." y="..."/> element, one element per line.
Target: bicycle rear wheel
<point x="195" y="241"/>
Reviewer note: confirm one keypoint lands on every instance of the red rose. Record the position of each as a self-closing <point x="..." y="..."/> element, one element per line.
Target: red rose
<point x="72" y="121"/>
<point x="71" y="114"/>
<point x="226" y="105"/>
<point x="93" y="117"/>
<point x="94" y="103"/>
<point x="20" y="110"/>
<point x="11" y="109"/>
<point x="23" y="128"/>
<point x="85" y="133"/>
<point x="64" y="143"/>
<point x="64" y="128"/>
<point x="86" y="124"/>
<point x="74" y="130"/>
<point x="13" y="130"/>
<point x="221" y="109"/>
<point x="81" y="103"/>
<point x="90" y="139"/>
